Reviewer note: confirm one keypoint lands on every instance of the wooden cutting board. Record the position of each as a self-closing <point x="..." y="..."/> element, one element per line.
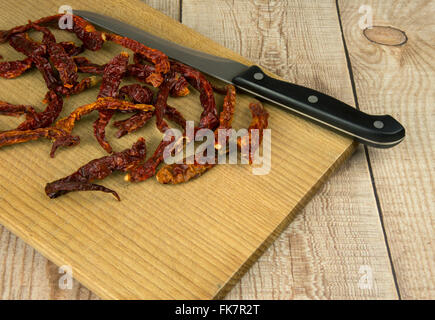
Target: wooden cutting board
<point x="191" y="241"/>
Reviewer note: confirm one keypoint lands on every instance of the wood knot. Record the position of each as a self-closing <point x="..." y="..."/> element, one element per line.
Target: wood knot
<point x="384" y="35"/>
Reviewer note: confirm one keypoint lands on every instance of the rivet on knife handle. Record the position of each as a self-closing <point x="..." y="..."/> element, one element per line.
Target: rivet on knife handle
<point x="381" y="131"/>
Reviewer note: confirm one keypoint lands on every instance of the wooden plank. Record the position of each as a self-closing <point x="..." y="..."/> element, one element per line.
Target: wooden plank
<point x="169" y="7"/>
<point x="25" y="273"/>
<point x="321" y="253"/>
<point x="399" y="80"/>
<point x="328" y="248"/>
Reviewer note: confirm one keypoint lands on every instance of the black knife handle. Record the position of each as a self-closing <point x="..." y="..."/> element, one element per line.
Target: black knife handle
<point x="377" y="131"/>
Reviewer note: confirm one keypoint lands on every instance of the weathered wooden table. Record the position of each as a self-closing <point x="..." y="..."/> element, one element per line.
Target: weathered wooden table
<point x="369" y="232"/>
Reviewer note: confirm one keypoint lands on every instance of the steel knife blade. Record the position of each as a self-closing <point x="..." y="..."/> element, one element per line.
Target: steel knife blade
<point x="381" y="131"/>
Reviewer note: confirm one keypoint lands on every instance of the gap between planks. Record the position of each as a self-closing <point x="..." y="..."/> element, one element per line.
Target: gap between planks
<point x="372" y="179"/>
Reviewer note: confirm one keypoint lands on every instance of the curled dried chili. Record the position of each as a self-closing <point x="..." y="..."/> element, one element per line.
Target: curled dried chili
<point x="209" y="118"/>
<point x="158" y="58"/>
<point x="8" y="109"/>
<point x="137" y="94"/>
<point x="102" y="104"/>
<point x="36" y="51"/>
<point x="148" y="169"/>
<point x="113" y="73"/>
<point x="259" y="122"/>
<point x="145" y="73"/>
<point x="63" y="63"/>
<point x="13" y="69"/>
<point x="71" y="48"/>
<point x="45" y="118"/>
<point x="85" y="66"/>
<point x="91" y="38"/>
<point x="58" y="136"/>
<point x="98" y="169"/>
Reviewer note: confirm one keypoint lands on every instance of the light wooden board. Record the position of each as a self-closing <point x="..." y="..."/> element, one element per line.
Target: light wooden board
<point x="142" y="250"/>
<point x="399" y="81"/>
<point x="25" y="273"/>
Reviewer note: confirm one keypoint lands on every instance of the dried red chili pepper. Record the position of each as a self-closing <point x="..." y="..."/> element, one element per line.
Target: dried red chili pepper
<point x="91" y="38"/>
<point x="180" y="88"/>
<point x="100" y="129"/>
<point x="71" y="48"/>
<point x="131" y="124"/>
<point x="175" y="174"/>
<point x="259" y="122"/>
<point x="174" y="115"/>
<point x="35" y="119"/>
<point x="140" y="94"/>
<point x="58" y="136"/>
<point x="86" y="83"/>
<point x="5" y="35"/>
<point x="85" y="66"/>
<point x="45" y="118"/>
<point x="37" y="52"/>
<point x="160" y="104"/>
<point x="139" y="119"/>
<point x="209" y="118"/>
<point x="171" y="83"/>
<point x="113" y="73"/>
<point x="137" y="94"/>
<point x="102" y="104"/>
<point x="227" y="114"/>
<point x="158" y="58"/>
<point x="145" y="73"/>
<point x="112" y="76"/>
<point x="13" y="69"/>
<point x="22" y="43"/>
<point x="7" y="109"/>
<point x="98" y="169"/>
<point x="178" y="173"/>
<point x="62" y="62"/>
<point x="148" y="169"/>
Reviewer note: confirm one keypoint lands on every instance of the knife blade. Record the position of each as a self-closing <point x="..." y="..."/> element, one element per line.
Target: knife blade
<point x="381" y="131"/>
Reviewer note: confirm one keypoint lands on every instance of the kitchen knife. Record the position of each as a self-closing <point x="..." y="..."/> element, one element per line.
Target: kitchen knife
<point x="381" y="131"/>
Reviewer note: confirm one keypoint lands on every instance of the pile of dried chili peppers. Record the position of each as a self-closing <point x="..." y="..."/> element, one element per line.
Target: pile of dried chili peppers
<point x="60" y="65"/>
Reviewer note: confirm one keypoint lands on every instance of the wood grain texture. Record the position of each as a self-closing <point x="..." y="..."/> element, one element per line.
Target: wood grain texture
<point x="195" y="246"/>
<point x="25" y="273"/>
<point x="319" y="256"/>
<point x="324" y="251"/>
<point x="399" y="81"/>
